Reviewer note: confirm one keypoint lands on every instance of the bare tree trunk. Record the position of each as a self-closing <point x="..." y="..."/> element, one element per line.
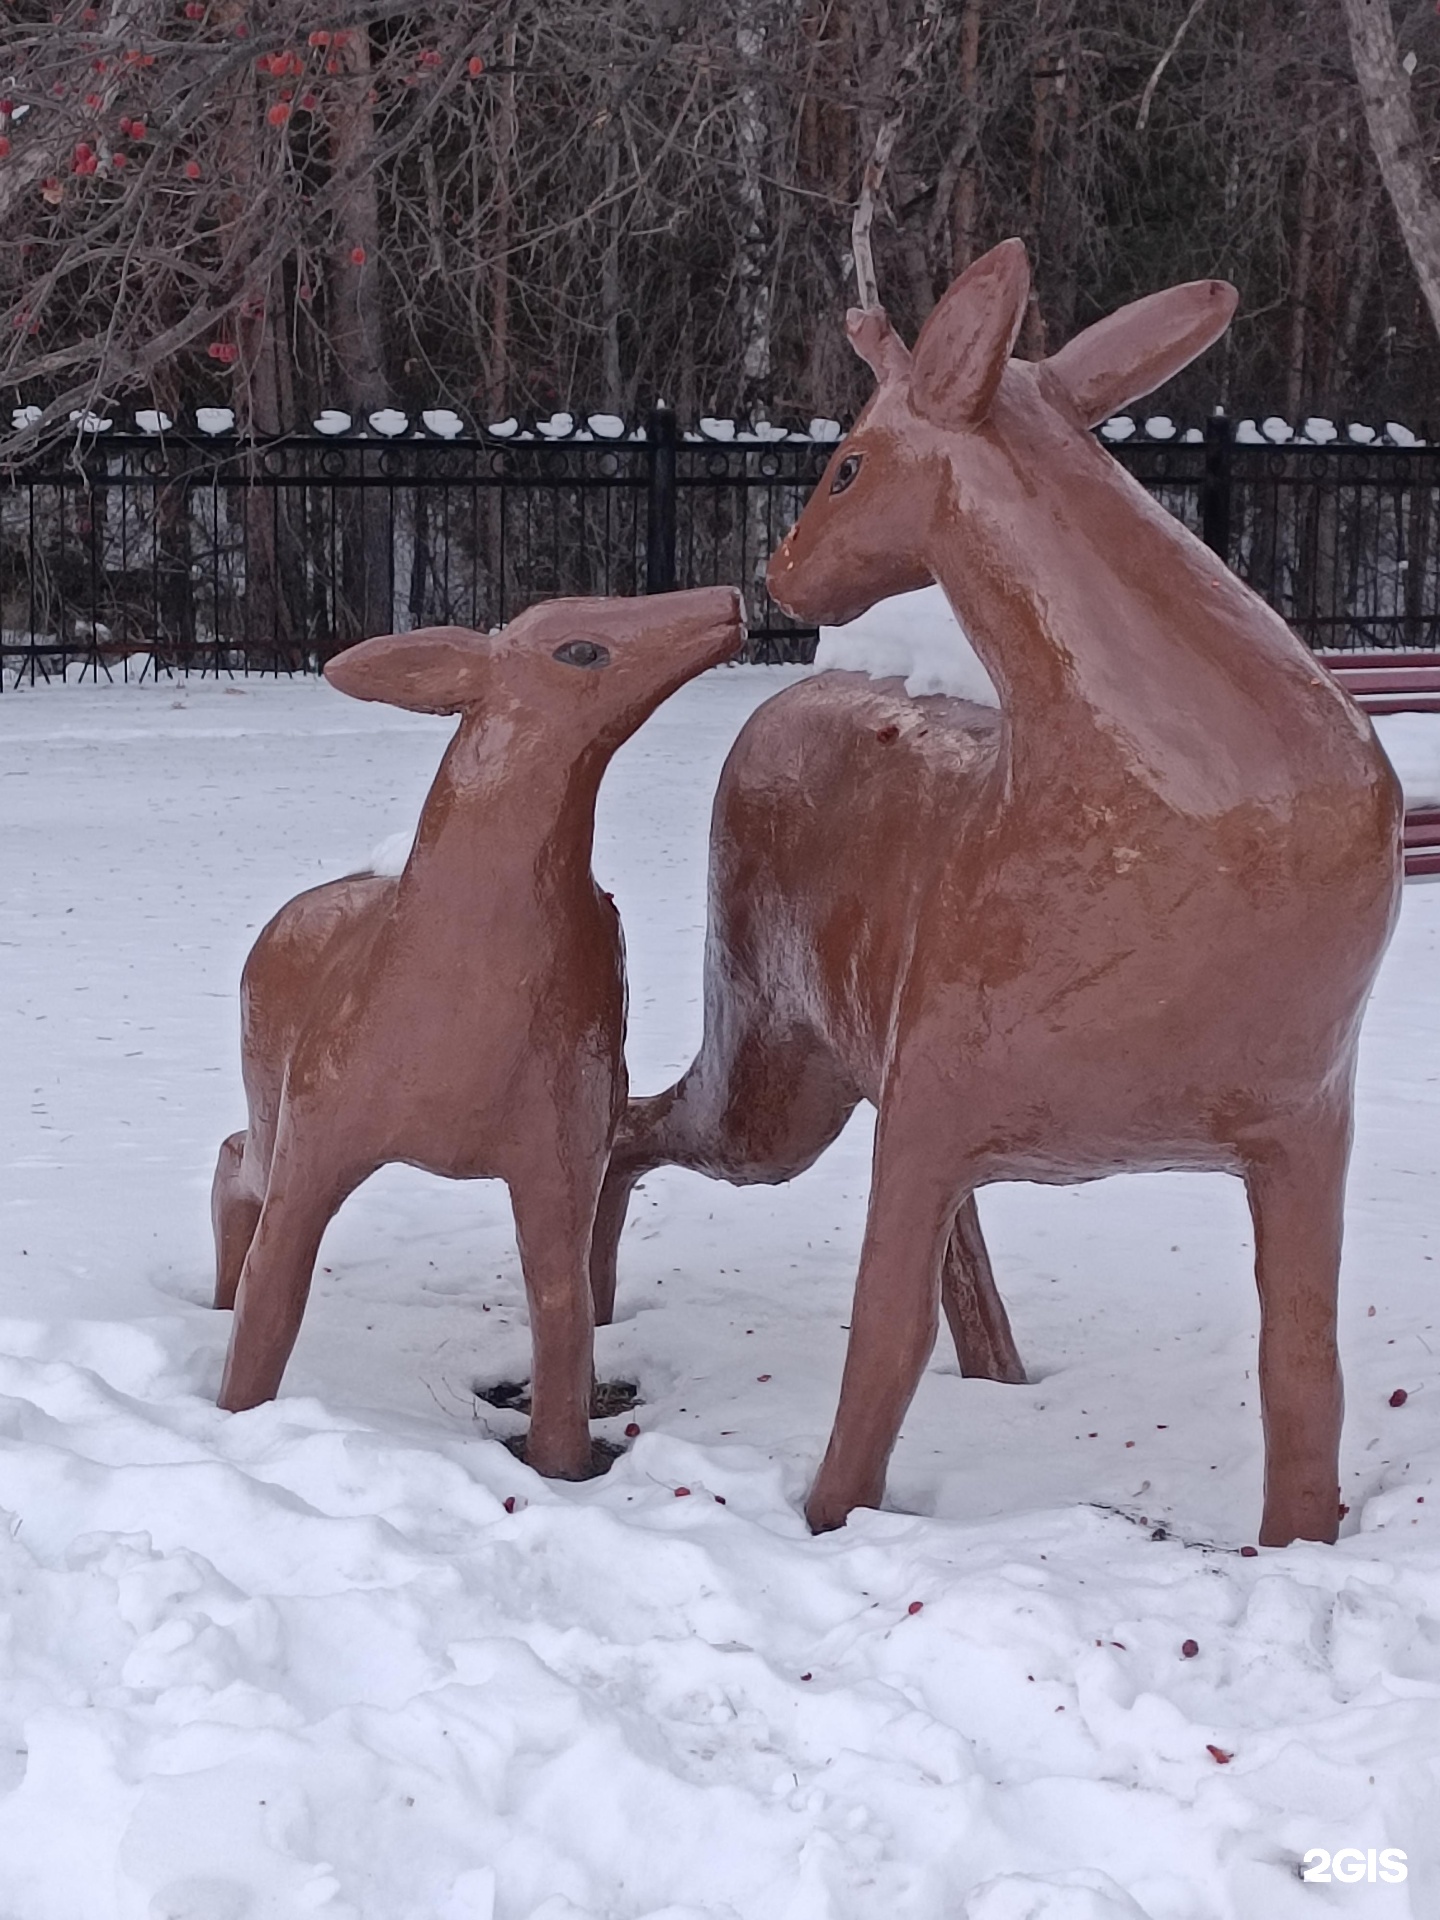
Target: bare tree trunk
<point x="753" y="275"/>
<point x="1042" y="95"/>
<point x="357" y="340"/>
<point x="908" y="69"/>
<point x="947" y="238"/>
<point x="503" y="136"/>
<point x="1300" y="278"/>
<point x="1390" y="117"/>
<point x="827" y="142"/>
<point x="1065" y="212"/>
<point x="611" y="390"/>
<point x="269" y="602"/>
<point x="1361" y="285"/>
<point x="967" y="194"/>
<point x="357" y="317"/>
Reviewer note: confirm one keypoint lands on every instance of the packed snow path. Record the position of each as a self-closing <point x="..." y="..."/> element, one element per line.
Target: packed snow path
<point x="304" y="1660"/>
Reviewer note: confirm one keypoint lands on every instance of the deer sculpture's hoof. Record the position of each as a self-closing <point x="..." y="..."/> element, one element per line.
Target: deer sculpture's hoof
<point x="607" y="1397"/>
<point x="824" y="1513"/>
<point x="1302" y="1520"/>
<point x="601" y="1456"/>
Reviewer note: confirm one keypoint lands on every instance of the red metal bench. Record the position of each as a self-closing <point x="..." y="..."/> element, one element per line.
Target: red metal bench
<point x="1398" y="683"/>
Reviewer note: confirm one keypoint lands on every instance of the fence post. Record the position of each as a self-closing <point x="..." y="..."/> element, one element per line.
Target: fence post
<point x="1215" y="487"/>
<point x="661" y="440"/>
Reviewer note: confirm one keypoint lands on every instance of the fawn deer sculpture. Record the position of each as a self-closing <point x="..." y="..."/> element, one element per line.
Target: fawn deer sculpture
<point x="1127" y="922"/>
<point x="468" y="1015"/>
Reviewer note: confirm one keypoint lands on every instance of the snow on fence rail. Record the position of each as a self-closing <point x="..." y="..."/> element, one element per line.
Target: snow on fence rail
<point x="157" y="545"/>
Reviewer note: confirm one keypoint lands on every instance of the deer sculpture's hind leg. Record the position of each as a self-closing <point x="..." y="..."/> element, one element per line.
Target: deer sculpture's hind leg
<point x="1296" y="1185"/>
<point x="756" y="1109"/>
<point x="621" y="1177"/>
<point x="301" y="1197"/>
<point x="979" y="1324"/>
<point x="234" y="1211"/>
<point x="803" y="1102"/>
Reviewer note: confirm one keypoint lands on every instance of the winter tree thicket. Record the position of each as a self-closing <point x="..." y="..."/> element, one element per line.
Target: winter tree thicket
<point x="284" y="205"/>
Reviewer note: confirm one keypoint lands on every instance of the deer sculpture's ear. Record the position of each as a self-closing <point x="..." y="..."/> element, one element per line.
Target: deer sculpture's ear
<point x="433" y="670"/>
<point x="877" y="343"/>
<point x="1130" y="353"/>
<point x="964" y="345"/>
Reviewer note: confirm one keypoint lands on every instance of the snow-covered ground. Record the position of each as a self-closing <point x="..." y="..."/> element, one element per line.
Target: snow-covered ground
<point x="304" y="1660"/>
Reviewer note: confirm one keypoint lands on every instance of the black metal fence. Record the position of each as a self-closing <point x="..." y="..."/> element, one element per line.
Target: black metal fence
<point x="179" y="552"/>
<point x="1341" y="539"/>
<point x="135" y="552"/>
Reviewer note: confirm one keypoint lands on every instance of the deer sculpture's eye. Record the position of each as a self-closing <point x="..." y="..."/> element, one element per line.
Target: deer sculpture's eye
<point x="845" y="473"/>
<point x="583" y="653"/>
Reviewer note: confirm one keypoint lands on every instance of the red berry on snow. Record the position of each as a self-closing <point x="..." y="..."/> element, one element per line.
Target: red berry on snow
<point x="1399" y="1397"/>
<point x="915" y="1606"/>
<point x="1190" y="1649"/>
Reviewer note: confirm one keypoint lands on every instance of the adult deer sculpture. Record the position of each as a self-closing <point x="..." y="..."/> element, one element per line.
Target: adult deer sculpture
<point x="1128" y="922"/>
<point x="467" y="1016"/>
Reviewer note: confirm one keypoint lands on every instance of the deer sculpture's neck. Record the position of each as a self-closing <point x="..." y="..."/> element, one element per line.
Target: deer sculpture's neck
<point x="508" y="826"/>
<point x="1106" y="625"/>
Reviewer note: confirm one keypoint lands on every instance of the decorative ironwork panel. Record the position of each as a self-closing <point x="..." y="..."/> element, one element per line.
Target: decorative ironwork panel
<point x="138" y="553"/>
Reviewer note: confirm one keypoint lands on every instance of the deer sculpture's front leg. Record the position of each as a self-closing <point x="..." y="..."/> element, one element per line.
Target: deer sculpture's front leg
<point x="1296" y="1185"/>
<point x="554" y="1175"/>
<point x="895" y="1315"/>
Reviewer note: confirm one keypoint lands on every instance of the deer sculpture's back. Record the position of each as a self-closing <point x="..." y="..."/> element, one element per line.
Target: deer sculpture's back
<point x="1131" y="922"/>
